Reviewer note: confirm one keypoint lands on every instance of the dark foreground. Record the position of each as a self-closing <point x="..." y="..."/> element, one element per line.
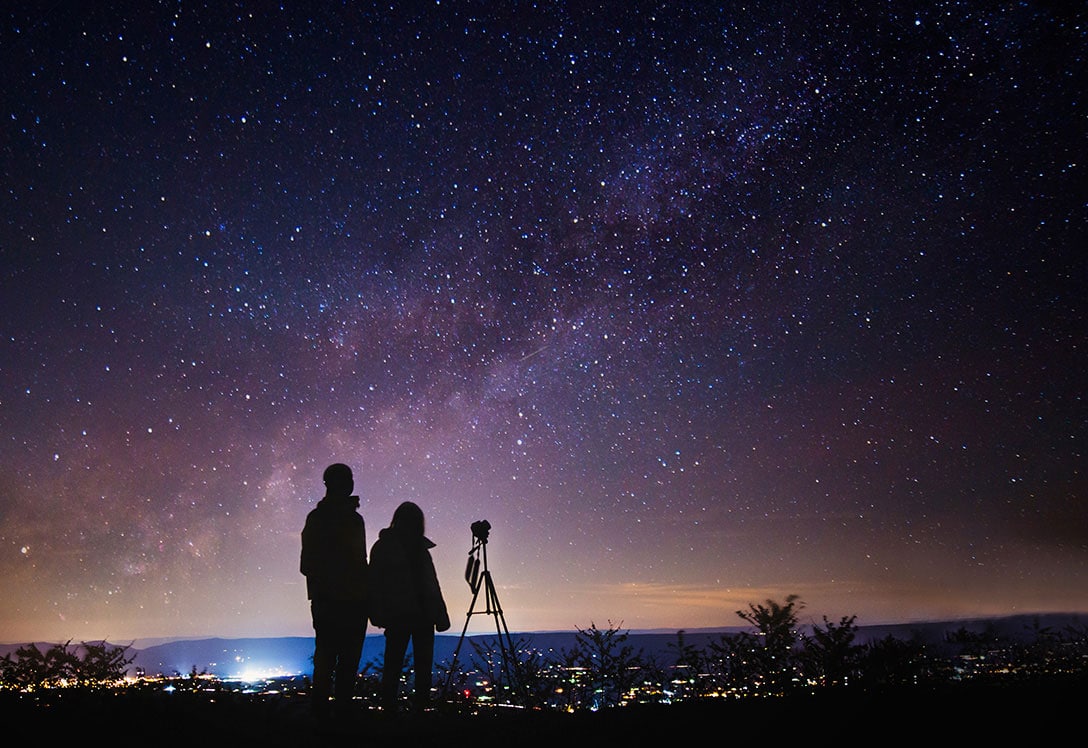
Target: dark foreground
<point x="955" y="714"/>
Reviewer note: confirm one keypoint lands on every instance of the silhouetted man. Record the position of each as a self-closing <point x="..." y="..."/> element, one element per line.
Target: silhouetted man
<point x="334" y="562"/>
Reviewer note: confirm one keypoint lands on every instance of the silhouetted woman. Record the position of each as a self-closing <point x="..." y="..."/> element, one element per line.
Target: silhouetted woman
<point x="406" y="601"/>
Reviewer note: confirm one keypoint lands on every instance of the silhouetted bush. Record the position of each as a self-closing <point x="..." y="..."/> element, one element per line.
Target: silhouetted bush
<point x="62" y="665"/>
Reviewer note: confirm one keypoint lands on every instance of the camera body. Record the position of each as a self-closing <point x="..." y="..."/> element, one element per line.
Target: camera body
<point x="480" y="530"/>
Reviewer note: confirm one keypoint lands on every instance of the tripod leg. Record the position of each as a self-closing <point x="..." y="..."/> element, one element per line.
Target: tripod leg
<point x="506" y="644"/>
<point x="461" y="640"/>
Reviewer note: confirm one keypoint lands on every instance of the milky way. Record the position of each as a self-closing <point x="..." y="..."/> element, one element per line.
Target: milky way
<point x="697" y="306"/>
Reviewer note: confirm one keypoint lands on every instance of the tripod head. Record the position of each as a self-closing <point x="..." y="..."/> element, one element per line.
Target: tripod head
<point x="480" y="530"/>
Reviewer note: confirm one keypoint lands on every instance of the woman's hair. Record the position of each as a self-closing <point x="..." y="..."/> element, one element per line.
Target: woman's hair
<point x="409" y="518"/>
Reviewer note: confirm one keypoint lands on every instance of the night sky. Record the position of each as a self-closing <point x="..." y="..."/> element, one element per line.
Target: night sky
<point x="698" y="306"/>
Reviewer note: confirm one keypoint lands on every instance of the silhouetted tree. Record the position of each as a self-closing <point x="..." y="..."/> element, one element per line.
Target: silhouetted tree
<point x="775" y="622"/>
<point x="735" y="663"/>
<point x="974" y="643"/>
<point x="488" y="660"/>
<point x="569" y="688"/>
<point x="689" y="675"/>
<point x="64" y="665"/>
<point x="829" y="654"/>
<point x="1043" y="650"/>
<point x="610" y="667"/>
<point x="101" y="663"/>
<point x="1071" y="649"/>
<point x="894" y="662"/>
<point x="525" y="678"/>
<point x="534" y="675"/>
<point x="776" y="628"/>
<point x="30" y="667"/>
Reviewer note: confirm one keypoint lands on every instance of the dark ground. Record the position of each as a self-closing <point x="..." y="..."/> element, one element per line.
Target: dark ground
<point x="1033" y="713"/>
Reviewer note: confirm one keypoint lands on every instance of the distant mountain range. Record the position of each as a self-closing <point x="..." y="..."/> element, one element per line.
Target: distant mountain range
<point x="278" y="656"/>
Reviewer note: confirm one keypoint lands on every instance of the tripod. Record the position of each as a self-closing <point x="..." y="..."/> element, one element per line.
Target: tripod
<point x="480" y="578"/>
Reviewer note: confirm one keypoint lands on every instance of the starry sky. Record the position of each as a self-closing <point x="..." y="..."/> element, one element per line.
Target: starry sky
<point x="697" y="304"/>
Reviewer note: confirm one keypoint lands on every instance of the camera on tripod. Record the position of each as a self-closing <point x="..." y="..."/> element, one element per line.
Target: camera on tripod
<point x="480" y="530"/>
<point x="479" y="580"/>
